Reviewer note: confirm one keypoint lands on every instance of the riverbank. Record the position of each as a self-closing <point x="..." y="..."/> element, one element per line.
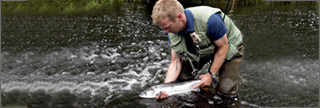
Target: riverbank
<point x="61" y="7"/>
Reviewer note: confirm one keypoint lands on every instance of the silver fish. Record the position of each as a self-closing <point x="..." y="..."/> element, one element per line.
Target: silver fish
<point x="170" y="89"/>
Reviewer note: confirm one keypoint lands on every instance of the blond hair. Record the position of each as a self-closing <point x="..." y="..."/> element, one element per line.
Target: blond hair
<point x="166" y="8"/>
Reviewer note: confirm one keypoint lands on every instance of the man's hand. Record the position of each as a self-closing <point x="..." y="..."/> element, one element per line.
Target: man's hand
<point x="162" y="95"/>
<point x="206" y="80"/>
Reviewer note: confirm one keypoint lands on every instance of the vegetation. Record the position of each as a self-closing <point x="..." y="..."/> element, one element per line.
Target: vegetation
<point x="54" y="6"/>
<point x="89" y="6"/>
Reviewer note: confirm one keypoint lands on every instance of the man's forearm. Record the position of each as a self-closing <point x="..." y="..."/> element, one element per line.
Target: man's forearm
<point x="173" y="71"/>
<point x="219" y="58"/>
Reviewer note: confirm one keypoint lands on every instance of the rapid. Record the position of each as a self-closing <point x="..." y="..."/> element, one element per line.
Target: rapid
<point x="107" y="59"/>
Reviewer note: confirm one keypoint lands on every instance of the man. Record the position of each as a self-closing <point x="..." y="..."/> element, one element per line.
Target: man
<point x="197" y="36"/>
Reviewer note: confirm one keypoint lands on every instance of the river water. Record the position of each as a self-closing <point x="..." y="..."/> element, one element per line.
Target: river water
<point x="106" y="59"/>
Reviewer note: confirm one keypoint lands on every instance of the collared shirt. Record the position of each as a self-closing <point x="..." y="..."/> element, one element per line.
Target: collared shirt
<point x="216" y="27"/>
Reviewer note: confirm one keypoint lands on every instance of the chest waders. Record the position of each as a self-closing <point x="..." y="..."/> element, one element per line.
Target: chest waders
<point x="202" y="45"/>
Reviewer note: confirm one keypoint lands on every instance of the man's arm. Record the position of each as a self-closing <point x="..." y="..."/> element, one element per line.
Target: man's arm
<point x="172" y="73"/>
<point x="219" y="57"/>
<point x="174" y="68"/>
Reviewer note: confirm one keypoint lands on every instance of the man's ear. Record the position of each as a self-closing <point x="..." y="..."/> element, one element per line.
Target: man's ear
<point x="179" y="16"/>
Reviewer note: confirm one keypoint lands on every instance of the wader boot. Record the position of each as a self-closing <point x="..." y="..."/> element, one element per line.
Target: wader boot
<point x="225" y="100"/>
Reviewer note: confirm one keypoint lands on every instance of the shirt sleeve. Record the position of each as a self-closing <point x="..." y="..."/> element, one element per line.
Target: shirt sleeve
<point x="216" y="27"/>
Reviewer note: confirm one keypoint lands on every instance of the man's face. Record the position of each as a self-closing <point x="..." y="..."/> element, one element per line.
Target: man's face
<point x="169" y="26"/>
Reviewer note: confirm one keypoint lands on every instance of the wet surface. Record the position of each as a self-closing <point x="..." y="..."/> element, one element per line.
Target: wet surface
<point x="107" y="59"/>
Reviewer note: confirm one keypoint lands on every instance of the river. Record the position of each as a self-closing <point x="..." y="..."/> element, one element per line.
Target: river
<point x="106" y="59"/>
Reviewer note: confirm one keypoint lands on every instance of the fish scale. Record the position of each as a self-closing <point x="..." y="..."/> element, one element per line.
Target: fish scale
<point x="170" y="89"/>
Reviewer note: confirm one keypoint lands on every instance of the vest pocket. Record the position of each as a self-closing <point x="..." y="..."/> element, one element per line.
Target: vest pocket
<point x="205" y="41"/>
<point x="232" y="52"/>
<point x="207" y="51"/>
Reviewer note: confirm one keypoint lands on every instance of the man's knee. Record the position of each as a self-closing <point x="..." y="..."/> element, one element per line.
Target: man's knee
<point x="227" y="86"/>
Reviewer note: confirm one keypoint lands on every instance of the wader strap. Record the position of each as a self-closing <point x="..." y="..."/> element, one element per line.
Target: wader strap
<point x="194" y="70"/>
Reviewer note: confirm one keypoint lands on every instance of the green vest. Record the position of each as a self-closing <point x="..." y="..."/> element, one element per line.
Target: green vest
<point x="201" y="15"/>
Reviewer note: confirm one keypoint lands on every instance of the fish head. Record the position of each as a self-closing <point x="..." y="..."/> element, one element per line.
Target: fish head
<point x="148" y="93"/>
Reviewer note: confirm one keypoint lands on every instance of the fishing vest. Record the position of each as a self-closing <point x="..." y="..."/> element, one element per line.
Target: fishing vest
<point x="206" y="47"/>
